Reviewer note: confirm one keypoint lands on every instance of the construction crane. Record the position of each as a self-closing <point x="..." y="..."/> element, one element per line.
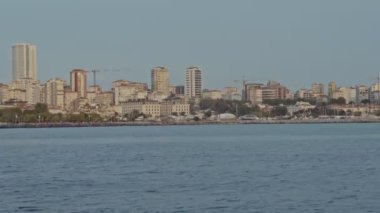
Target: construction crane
<point x="244" y="81"/>
<point x="94" y="71"/>
<point x="94" y="76"/>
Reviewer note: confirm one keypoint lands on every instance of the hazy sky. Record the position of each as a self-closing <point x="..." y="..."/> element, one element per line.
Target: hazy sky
<point x="297" y="42"/>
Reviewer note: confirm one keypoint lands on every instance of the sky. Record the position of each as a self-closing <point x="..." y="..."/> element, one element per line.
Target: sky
<point x="296" y="42"/>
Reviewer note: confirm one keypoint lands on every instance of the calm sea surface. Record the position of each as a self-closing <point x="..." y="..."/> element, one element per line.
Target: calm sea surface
<point x="232" y="168"/>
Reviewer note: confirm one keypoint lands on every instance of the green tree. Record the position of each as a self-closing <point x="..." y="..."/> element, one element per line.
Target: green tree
<point x="339" y="101"/>
<point x="134" y="114"/>
<point x="280" y="111"/>
<point x="41" y="108"/>
<point x="365" y="101"/>
<point x="207" y="113"/>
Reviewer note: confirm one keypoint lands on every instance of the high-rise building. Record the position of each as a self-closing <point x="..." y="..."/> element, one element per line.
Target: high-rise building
<point x="180" y="90"/>
<point x="318" y="89"/>
<point x="24" y="61"/>
<point x="78" y="82"/>
<point x="160" y="80"/>
<point x="332" y="88"/>
<point x="193" y="87"/>
<point x="274" y="91"/>
<point x="54" y="93"/>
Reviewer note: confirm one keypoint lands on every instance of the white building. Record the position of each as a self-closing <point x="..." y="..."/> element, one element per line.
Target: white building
<point x="361" y="93"/>
<point x="24" y="61"/>
<point x="374" y="93"/>
<point x="193" y="88"/>
<point x="156" y="109"/>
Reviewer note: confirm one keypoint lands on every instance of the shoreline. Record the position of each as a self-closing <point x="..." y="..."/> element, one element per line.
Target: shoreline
<point x="181" y="123"/>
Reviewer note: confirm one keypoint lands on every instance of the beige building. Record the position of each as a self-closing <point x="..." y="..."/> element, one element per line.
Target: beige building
<point x="304" y="94"/>
<point x="253" y="93"/>
<point x="70" y="97"/>
<point x="374" y="93"/>
<point x="174" y="107"/>
<point x="348" y="93"/>
<point x="274" y="91"/>
<point x="91" y="96"/>
<point x="24" y="61"/>
<point x="16" y="94"/>
<point x="54" y="93"/>
<point x="212" y="94"/>
<point x="231" y="93"/>
<point x="105" y="98"/>
<point x="78" y="82"/>
<point x="181" y="108"/>
<point x="230" y="90"/>
<point x="129" y="91"/>
<point x="331" y="89"/>
<point x="318" y="90"/>
<point x="4" y="93"/>
<point x="160" y="80"/>
<point x="193" y="87"/>
<point x="25" y="90"/>
<point x="151" y="109"/>
<point x="156" y="109"/>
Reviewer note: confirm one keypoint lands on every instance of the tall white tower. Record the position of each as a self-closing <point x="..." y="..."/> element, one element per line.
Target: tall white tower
<point x="24" y="61"/>
<point x="193" y="86"/>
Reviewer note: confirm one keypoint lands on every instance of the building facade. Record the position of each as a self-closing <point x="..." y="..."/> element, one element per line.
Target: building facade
<point x="253" y="93"/>
<point x="331" y="89"/>
<point x="193" y="88"/>
<point x="362" y="93"/>
<point x="54" y="93"/>
<point x="212" y="94"/>
<point x="24" y="61"/>
<point x="160" y="80"/>
<point x="129" y="91"/>
<point x="78" y="82"/>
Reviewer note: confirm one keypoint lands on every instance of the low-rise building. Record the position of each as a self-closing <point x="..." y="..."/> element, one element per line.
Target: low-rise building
<point x="4" y="93"/>
<point x="129" y="91"/>
<point x="156" y="109"/>
<point x="105" y="98"/>
<point x="70" y="97"/>
<point x="211" y="94"/>
<point x="300" y="105"/>
<point x="253" y="93"/>
<point x="362" y="93"/>
<point x="304" y="94"/>
<point x="374" y="93"/>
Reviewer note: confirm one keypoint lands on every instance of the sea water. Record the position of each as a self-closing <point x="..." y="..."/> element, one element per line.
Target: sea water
<point x="217" y="168"/>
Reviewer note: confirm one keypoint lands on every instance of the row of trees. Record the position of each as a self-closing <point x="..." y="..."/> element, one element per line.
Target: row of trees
<point x="239" y="108"/>
<point x="279" y="108"/>
<point x="41" y="114"/>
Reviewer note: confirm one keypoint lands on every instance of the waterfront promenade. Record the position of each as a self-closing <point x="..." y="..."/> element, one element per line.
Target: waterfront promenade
<point x="170" y="123"/>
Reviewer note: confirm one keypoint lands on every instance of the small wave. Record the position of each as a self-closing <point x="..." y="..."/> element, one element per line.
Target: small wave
<point x="30" y="208"/>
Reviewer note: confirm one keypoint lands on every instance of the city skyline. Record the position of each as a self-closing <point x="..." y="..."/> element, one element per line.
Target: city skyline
<point x="294" y="42"/>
